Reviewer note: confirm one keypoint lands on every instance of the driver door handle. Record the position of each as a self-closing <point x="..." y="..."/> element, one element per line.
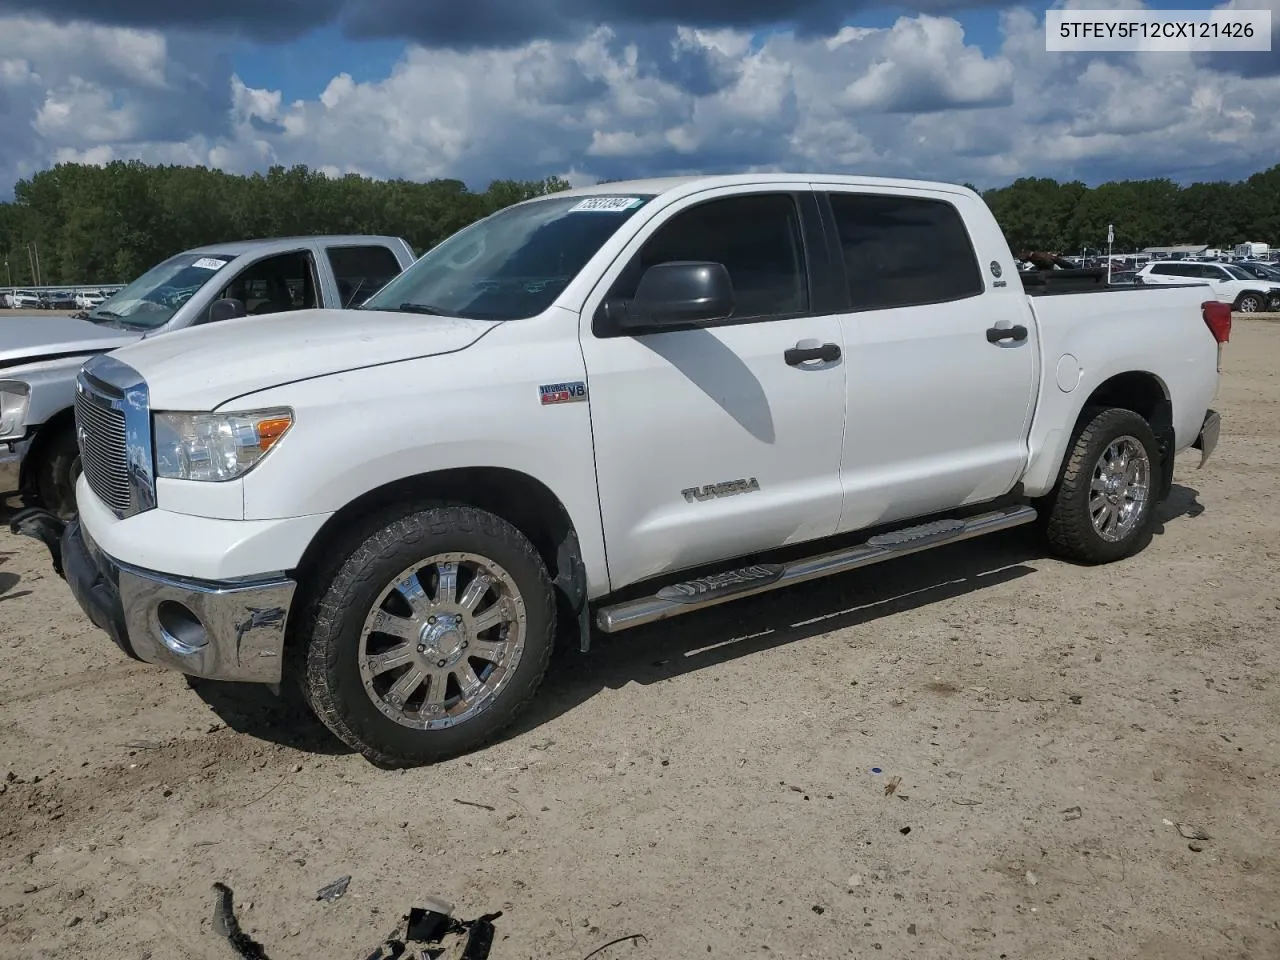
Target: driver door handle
<point x="807" y="350"/>
<point x="1016" y="332"/>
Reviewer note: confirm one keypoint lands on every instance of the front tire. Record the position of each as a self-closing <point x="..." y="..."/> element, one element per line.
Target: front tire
<point x="57" y="472"/>
<point x="430" y="638"/>
<point x="1104" y="507"/>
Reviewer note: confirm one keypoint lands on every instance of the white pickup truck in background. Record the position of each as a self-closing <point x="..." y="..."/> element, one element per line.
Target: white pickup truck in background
<point x="41" y="355"/>
<point x="602" y="408"/>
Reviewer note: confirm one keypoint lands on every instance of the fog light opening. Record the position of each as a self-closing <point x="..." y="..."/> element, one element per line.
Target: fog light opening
<point x="180" y="629"/>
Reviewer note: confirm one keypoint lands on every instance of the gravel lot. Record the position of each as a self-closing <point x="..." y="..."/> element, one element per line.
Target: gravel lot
<point x="709" y="783"/>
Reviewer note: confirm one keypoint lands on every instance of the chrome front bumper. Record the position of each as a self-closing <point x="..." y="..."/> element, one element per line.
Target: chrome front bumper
<point x="11" y="455"/>
<point x="217" y="630"/>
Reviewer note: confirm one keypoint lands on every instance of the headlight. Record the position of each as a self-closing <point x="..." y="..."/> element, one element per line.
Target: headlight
<point x="216" y="446"/>
<point x="15" y="397"/>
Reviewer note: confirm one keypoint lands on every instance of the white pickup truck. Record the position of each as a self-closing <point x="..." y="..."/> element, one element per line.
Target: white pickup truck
<point x="602" y="408"/>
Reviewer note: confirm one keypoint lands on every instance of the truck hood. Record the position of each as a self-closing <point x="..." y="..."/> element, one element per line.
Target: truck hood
<point x="29" y="339"/>
<point x="202" y="367"/>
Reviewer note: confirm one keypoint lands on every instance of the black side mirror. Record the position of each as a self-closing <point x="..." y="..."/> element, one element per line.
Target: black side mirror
<point x="227" y="308"/>
<point x="679" y="293"/>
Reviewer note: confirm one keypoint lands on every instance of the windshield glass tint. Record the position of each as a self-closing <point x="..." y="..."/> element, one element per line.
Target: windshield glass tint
<point x="511" y="265"/>
<point x="152" y="299"/>
<point x="1236" y="272"/>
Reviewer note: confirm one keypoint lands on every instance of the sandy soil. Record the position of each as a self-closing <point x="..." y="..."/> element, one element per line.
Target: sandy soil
<point x="710" y="784"/>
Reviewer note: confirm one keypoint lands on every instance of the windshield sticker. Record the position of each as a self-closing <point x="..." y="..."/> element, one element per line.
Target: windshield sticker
<point x="209" y="263"/>
<point x="606" y="204"/>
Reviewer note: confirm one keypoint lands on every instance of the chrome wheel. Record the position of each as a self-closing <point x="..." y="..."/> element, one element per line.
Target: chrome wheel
<point x="1249" y="304"/>
<point x="1119" y="489"/>
<point x="442" y="641"/>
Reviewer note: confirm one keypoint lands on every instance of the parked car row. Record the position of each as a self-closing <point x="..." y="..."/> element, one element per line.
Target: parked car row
<point x="1255" y="289"/>
<point x="599" y="408"/>
<point x="53" y="299"/>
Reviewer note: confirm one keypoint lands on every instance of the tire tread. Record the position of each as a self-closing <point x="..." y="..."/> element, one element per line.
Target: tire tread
<point x="321" y="618"/>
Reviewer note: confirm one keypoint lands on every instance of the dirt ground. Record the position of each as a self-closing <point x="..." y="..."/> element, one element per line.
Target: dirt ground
<point x="720" y="784"/>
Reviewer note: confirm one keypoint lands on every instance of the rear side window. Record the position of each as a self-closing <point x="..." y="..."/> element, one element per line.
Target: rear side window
<point x="904" y="251"/>
<point x="362" y="271"/>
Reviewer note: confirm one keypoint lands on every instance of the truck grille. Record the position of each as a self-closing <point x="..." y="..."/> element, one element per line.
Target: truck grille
<point x="103" y="448"/>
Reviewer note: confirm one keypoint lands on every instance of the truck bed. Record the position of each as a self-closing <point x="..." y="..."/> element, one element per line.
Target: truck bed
<point x="1050" y="283"/>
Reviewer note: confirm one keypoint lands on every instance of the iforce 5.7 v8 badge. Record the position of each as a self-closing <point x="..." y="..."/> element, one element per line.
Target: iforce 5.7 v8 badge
<point x="563" y="392"/>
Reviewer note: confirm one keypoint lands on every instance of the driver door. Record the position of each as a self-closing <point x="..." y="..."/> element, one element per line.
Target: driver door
<point x="712" y="443"/>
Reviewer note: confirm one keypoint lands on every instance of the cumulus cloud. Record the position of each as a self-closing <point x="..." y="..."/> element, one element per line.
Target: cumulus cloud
<point x="917" y="98"/>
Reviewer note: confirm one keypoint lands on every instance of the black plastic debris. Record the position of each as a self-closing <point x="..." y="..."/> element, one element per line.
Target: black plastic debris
<point x="226" y="925"/>
<point x="431" y="933"/>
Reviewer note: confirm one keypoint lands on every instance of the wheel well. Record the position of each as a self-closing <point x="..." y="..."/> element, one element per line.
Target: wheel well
<point x="62" y="420"/>
<point x="524" y="502"/>
<point x="1145" y="395"/>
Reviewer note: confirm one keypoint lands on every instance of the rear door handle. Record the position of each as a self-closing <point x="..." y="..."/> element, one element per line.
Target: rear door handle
<point x="807" y="350"/>
<point x="1016" y="332"/>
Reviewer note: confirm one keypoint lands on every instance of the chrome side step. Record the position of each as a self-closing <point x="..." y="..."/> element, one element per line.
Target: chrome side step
<point x="702" y="592"/>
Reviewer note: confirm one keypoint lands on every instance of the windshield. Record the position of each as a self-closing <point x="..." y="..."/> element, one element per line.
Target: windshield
<point x="512" y="264"/>
<point x="152" y="299"/>
<point x="1236" y="272"/>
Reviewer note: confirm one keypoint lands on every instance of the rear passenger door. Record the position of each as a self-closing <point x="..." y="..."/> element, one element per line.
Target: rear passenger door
<point x="938" y="412"/>
<point x="716" y="442"/>
<point x="361" y="271"/>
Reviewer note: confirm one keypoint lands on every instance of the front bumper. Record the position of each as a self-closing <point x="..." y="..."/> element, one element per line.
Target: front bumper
<point x="1207" y="440"/>
<point x="217" y="630"/>
<point x="11" y="454"/>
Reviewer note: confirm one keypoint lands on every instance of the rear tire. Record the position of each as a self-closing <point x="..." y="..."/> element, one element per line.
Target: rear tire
<point x="1103" y="508"/>
<point x="57" y="472"/>
<point x="431" y="638"/>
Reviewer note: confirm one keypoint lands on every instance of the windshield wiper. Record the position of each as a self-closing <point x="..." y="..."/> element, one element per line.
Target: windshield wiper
<point x="104" y="315"/>
<point x="426" y="308"/>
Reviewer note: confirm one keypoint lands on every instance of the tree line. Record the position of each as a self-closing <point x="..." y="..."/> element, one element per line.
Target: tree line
<point x="81" y="223"/>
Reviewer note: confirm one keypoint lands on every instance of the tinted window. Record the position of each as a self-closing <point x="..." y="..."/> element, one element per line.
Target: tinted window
<point x="276" y="284"/>
<point x="756" y="237"/>
<point x="361" y="271"/>
<point x="902" y="251"/>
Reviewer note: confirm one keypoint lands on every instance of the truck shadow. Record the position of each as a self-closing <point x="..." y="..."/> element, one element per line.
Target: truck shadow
<point x="651" y="654"/>
<point x="696" y="641"/>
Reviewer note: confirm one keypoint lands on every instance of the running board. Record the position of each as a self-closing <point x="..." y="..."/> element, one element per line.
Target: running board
<point x="702" y="592"/>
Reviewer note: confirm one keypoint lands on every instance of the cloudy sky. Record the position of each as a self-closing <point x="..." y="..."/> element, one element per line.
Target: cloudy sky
<point x="479" y="89"/>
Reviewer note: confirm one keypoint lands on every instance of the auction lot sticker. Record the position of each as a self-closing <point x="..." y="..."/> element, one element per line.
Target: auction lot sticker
<point x="1145" y="31"/>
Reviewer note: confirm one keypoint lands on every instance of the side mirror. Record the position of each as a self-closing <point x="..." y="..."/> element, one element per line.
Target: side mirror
<point x="680" y="292"/>
<point x="227" y="308"/>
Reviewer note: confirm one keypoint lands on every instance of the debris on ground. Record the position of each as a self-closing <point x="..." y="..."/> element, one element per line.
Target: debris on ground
<point x="227" y="926"/>
<point x="333" y="891"/>
<point x="892" y="785"/>
<point x="614" y="943"/>
<point x="1190" y="831"/>
<point x="472" y="803"/>
<point x="1073" y="813"/>
<point x="432" y="933"/>
<point x="425" y="933"/>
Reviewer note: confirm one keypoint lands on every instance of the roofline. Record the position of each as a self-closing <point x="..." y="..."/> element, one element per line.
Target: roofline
<point x="675" y="187"/>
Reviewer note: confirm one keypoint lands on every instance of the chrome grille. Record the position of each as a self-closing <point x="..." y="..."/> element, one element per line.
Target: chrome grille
<point x="103" y="449"/>
<point x="113" y="429"/>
